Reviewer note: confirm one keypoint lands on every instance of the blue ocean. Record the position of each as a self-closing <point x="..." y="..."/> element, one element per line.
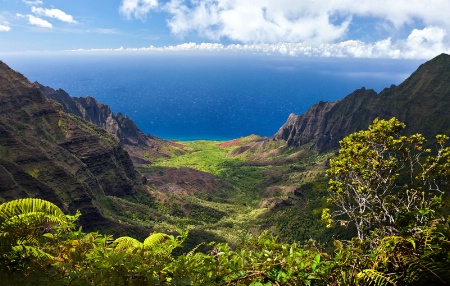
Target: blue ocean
<point x="206" y="96"/>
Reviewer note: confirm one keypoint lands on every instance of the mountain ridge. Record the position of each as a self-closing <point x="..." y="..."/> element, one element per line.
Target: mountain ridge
<point x="425" y="91"/>
<point x="133" y="140"/>
<point x="49" y="154"/>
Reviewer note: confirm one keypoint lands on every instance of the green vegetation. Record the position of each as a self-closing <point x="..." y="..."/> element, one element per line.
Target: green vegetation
<point x="60" y="255"/>
<point x="250" y="184"/>
<point x="382" y="180"/>
<point x="205" y="156"/>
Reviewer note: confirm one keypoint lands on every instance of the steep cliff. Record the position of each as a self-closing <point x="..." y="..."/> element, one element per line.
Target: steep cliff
<point x="134" y="141"/>
<point x="422" y="101"/>
<point x="47" y="153"/>
<point x="299" y="130"/>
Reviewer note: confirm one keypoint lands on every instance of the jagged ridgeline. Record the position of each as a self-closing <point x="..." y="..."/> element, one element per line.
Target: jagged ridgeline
<point x="122" y="127"/>
<point x="422" y="102"/>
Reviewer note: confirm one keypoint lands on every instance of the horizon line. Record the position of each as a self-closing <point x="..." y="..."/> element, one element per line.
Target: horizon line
<point x="348" y="49"/>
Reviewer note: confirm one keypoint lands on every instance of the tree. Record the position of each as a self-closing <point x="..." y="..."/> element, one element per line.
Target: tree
<point x="384" y="182"/>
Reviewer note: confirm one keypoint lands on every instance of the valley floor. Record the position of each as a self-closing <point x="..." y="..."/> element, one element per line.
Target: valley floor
<point x="223" y="191"/>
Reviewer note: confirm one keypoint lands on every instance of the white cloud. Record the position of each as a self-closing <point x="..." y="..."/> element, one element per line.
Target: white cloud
<point x="271" y="21"/>
<point x="398" y="12"/>
<point x="33" y="2"/>
<point x="426" y="42"/>
<point x="4" y="28"/>
<point x="417" y="46"/>
<point x="325" y="28"/>
<point x="53" y="13"/>
<point x="253" y="21"/>
<point x="39" y="22"/>
<point x="314" y="27"/>
<point x="106" y="31"/>
<point x="137" y="8"/>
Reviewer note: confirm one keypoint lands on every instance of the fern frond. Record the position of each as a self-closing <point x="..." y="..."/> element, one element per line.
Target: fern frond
<point x="191" y="253"/>
<point x="32" y="220"/>
<point x="127" y="243"/>
<point x="154" y="239"/>
<point x="28" y="205"/>
<point x="373" y="277"/>
<point x="427" y="271"/>
<point x="23" y="220"/>
<point x="25" y="250"/>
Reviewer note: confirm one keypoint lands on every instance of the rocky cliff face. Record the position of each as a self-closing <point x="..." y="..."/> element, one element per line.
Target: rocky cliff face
<point x="299" y="130"/>
<point x="422" y="101"/>
<point x="87" y="108"/>
<point x="47" y="153"/>
<point x="134" y="141"/>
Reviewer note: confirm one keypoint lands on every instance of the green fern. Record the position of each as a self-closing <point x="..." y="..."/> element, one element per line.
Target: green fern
<point x="128" y="244"/>
<point x="25" y="250"/>
<point x="131" y="244"/>
<point x="192" y="252"/>
<point x="423" y="270"/>
<point x="28" y="205"/>
<point x="27" y="215"/>
<point x="373" y="277"/>
<point x="23" y="221"/>
<point x="23" y="224"/>
<point x="154" y="239"/>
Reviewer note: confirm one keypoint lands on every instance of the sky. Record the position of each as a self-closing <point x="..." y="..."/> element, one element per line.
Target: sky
<point x="410" y="29"/>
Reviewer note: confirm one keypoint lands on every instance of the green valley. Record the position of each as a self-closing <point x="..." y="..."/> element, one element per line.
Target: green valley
<point x="246" y="190"/>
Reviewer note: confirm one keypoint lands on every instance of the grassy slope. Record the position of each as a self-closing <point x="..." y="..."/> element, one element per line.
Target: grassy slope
<point x="204" y="156"/>
<point x="268" y="191"/>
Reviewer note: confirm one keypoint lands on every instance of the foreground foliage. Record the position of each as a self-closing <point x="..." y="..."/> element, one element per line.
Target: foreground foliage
<point x="72" y="257"/>
<point x="383" y="182"/>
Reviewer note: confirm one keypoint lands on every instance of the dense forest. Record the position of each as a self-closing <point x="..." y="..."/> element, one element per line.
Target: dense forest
<point x="386" y="190"/>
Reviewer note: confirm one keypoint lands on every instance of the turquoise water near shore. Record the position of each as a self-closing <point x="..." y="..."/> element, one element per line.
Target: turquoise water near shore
<point x="188" y="97"/>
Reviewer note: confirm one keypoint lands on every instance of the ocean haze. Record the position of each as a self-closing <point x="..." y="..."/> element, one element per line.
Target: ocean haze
<point x="192" y="96"/>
